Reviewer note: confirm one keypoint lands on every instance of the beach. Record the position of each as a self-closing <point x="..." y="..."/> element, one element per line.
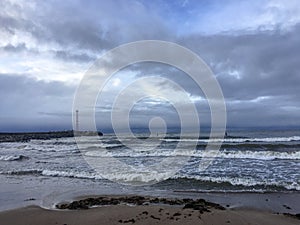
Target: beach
<point x="118" y="213"/>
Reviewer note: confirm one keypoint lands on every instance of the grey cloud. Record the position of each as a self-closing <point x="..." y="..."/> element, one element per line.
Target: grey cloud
<point x="56" y="114"/>
<point x="267" y="62"/>
<point x="48" y="24"/>
<point x="14" y="49"/>
<point x="25" y="86"/>
<point x="68" y="56"/>
<point x="23" y="99"/>
<point x="59" y="54"/>
<point x="10" y="24"/>
<point x="12" y="17"/>
<point x="94" y="27"/>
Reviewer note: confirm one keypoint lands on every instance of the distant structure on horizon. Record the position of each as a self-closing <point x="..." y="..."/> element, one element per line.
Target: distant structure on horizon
<point x="77" y="121"/>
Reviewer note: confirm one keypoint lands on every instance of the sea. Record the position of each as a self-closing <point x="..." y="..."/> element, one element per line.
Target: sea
<point x="48" y="171"/>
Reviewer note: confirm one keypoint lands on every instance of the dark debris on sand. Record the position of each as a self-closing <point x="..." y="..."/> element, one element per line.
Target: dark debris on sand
<point x="297" y="216"/>
<point x="200" y="205"/>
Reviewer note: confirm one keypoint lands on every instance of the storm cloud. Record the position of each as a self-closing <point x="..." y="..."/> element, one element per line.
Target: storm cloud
<point x="47" y="46"/>
<point x="27" y="103"/>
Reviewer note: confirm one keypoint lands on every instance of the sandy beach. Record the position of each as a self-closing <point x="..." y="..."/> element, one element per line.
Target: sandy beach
<point x="116" y="211"/>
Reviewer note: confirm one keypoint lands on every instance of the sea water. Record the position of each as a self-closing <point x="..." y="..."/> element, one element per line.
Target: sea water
<point x="248" y="161"/>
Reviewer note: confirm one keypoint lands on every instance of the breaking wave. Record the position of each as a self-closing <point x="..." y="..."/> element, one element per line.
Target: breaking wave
<point x="13" y="157"/>
<point x="228" y="154"/>
<point x="238" y="140"/>
<point x="247" y="184"/>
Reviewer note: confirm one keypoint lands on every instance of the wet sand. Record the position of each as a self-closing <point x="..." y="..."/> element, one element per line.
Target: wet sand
<point x="140" y="210"/>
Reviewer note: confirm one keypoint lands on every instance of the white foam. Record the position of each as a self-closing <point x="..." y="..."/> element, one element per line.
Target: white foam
<point x="248" y="182"/>
<point x="12" y="157"/>
<point x="262" y="155"/>
<point x="139" y="176"/>
<point x="153" y="176"/>
<point x="228" y="154"/>
<point x="239" y="140"/>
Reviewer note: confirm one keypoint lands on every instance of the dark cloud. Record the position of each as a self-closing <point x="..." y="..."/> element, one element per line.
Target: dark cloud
<point x="79" y="24"/>
<point x="266" y="62"/>
<point x="23" y="99"/>
<point x="14" y="49"/>
<point x="258" y="71"/>
<point x="74" y="29"/>
<point x="68" y="56"/>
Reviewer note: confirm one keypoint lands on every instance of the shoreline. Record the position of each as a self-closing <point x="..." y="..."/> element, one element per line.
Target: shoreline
<point x="47" y="195"/>
<point x="133" y="209"/>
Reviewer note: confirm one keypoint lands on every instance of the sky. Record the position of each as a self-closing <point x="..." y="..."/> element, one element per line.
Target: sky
<point x="46" y="47"/>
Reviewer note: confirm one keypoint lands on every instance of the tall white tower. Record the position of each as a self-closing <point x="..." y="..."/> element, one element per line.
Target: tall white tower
<point x="77" y="121"/>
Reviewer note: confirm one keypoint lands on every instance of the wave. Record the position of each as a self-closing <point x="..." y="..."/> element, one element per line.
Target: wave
<point x="53" y="173"/>
<point x="227" y="154"/>
<point x="261" y="155"/>
<point x="13" y="157"/>
<point x="237" y="140"/>
<point x="150" y="177"/>
<point x="223" y="183"/>
<point x="242" y="182"/>
<point x="70" y="147"/>
<point x="71" y="174"/>
<point x="134" y="177"/>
